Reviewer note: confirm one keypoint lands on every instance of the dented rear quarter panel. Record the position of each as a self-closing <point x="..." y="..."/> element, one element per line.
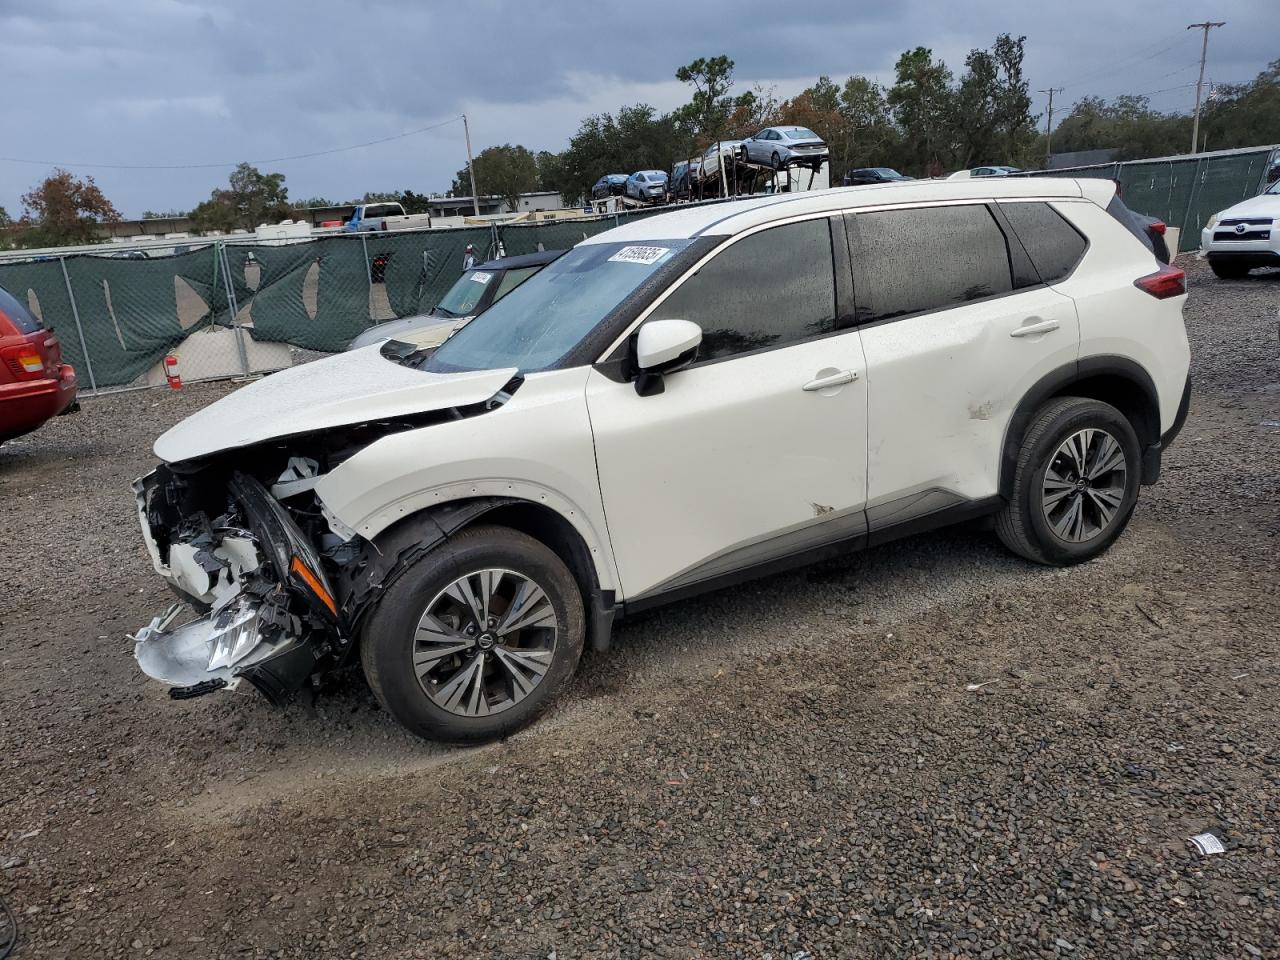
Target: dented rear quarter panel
<point x="536" y="447"/>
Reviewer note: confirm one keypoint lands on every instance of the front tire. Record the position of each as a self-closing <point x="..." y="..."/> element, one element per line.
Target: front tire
<point x="1075" y="483"/>
<point x="475" y="639"/>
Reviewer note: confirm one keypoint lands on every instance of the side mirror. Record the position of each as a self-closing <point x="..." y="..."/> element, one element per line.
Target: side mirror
<point x="662" y="347"/>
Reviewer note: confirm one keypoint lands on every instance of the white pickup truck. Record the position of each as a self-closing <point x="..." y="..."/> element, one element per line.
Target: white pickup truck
<point x="385" y="215"/>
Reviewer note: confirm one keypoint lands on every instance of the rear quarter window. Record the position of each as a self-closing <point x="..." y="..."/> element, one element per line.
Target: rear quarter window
<point x="1053" y="244"/>
<point x="18" y="314"/>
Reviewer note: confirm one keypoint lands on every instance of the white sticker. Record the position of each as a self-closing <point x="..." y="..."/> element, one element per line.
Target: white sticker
<point x="1207" y="843"/>
<point x="645" y="255"/>
<point x="480" y="276"/>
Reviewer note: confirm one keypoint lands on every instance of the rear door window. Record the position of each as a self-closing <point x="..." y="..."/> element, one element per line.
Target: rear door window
<point x="929" y="258"/>
<point x="1055" y="247"/>
<point x="18" y="314"/>
<point x="771" y="289"/>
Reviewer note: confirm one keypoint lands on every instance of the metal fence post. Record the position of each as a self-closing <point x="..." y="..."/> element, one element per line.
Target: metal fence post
<point x="235" y="311"/>
<point x="368" y="270"/>
<point x="75" y="313"/>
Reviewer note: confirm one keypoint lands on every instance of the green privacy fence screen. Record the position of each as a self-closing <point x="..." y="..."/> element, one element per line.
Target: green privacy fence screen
<point x="1185" y="191"/>
<point x="118" y="315"/>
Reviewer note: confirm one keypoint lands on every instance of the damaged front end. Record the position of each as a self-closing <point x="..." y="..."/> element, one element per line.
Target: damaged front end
<point x="265" y="610"/>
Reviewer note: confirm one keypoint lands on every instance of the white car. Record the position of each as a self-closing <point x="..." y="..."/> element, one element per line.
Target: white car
<point x="682" y="402"/>
<point x="720" y="154"/>
<point x="1244" y="236"/>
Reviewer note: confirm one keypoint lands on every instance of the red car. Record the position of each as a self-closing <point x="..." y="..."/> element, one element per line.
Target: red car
<point x="35" y="384"/>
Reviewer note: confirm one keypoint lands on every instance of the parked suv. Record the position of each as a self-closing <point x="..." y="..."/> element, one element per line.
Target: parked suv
<point x="654" y="415"/>
<point x="1244" y="236"/>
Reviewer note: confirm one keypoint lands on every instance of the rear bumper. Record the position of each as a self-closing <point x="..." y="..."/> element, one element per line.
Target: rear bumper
<point x="25" y="406"/>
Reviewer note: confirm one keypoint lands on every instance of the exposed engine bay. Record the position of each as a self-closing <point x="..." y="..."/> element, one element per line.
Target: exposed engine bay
<point x="272" y="586"/>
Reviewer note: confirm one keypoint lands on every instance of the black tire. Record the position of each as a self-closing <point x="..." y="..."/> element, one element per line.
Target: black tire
<point x="387" y="640"/>
<point x="1228" y="270"/>
<point x="777" y="161"/>
<point x="1022" y="524"/>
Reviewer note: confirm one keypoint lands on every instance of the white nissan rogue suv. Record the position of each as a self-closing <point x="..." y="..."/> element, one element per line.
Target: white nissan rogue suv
<point x="679" y="403"/>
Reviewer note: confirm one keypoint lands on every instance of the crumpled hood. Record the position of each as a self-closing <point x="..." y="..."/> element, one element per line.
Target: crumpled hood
<point x="1267" y="205"/>
<point x="344" y="389"/>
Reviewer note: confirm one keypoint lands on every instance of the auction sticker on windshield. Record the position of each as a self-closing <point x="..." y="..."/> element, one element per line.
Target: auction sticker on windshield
<point x="480" y="277"/>
<point x="645" y="255"/>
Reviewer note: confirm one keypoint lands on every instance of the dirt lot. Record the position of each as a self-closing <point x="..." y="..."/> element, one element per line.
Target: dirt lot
<point x="790" y="769"/>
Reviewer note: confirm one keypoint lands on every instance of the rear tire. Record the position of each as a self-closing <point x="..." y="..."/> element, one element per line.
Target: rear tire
<point x="445" y="651"/>
<point x="1227" y="270"/>
<point x="1075" y="483"/>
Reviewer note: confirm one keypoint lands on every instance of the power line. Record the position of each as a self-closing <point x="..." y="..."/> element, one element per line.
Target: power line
<point x="1129" y="62"/>
<point x="232" y="163"/>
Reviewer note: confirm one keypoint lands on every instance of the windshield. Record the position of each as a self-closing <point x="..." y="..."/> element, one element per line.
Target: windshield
<point x="800" y="133"/>
<point x="551" y="312"/>
<point x="463" y="296"/>
<point x="1274" y="188"/>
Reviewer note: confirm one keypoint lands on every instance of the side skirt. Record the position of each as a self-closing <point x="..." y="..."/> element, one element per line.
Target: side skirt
<point x="968" y="510"/>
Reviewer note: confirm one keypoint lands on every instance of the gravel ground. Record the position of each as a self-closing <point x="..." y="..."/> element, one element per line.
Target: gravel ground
<point x="796" y="768"/>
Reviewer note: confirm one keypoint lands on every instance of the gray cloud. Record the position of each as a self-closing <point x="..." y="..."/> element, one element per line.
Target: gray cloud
<point x="193" y="81"/>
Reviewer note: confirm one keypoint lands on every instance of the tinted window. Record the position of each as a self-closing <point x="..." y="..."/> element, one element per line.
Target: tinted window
<point x="930" y="258"/>
<point x="513" y="279"/>
<point x="773" y="288"/>
<point x="18" y="314"/>
<point x="1053" y="244"/>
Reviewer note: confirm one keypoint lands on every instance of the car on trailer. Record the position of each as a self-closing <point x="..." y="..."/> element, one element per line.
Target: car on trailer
<point x="779" y="147"/>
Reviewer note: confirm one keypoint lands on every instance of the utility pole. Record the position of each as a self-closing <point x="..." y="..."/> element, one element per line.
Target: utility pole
<point x="1048" y="125"/>
<point x="471" y="168"/>
<point x="1204" y="51"/>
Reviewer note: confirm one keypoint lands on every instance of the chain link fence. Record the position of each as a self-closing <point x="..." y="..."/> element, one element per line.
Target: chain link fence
<point x="1185" y="191"/>
<point x="237" y="306"/>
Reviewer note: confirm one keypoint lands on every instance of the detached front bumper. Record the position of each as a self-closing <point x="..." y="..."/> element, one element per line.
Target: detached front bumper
<point x="269" y="613"/>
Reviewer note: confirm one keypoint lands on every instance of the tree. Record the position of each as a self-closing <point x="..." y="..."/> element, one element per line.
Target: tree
<point x="504" y="171"/>
<point x="314" y="202"/>
<point x="63" y="210"/>
<point x="708" y="112"/>
<point x="5" y="219"/>
<point x="171" y="214"/>
<point x="636" y="139"/>
<point x="991" y="118"/>
<point x="921" y="100"/>
<point x="252" y="197"/>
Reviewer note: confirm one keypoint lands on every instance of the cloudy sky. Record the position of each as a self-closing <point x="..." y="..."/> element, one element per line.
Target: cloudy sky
<point x="102" y="87"/>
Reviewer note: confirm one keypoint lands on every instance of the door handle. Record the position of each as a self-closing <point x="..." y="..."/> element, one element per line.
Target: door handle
<point x="830" y="380"/>
<point x="1035" y="327"/>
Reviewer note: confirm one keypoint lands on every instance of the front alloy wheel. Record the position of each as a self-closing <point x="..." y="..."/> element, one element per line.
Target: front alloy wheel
<point x="485" y="642"/>
<point x="476" y="637"/>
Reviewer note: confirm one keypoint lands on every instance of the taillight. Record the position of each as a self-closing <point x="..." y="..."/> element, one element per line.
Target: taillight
<point x="1164" y="283"/>
<point x="1157" y="226"/>
<point x="25" y="361"/>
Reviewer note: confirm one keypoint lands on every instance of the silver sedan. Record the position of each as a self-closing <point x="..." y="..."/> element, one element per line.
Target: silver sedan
<point x="779" y="147"/>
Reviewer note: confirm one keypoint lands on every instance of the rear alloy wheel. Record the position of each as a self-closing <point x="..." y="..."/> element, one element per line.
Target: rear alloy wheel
<point x="476" y="638"/>
<point x="1075" y="483"/>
